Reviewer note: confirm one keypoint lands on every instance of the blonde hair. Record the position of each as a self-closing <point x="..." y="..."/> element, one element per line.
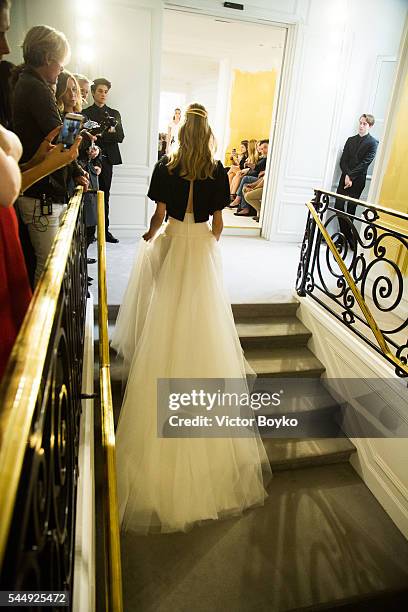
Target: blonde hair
<point x="42" y="44"/>
<point x="253" y="154"/>
<point x="195" y="155"/>
<point x="62" y="86"/>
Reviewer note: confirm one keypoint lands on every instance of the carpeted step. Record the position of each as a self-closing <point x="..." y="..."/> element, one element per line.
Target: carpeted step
<point x="284" y="362"/>
<point x="291" y="454"/>
<point x="276" y="331"/>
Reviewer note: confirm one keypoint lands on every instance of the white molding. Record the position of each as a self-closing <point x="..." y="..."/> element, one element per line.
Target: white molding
<point x="402" y="489"/>
<point x="83" y="599"/>
<point x="262" y="12"/>
<point x="288" y="80"/>
<point x="334" y="145"/>
<point x="381" y="484"/>
<point x="381" y="59"/>
<point x="339" y="350"/>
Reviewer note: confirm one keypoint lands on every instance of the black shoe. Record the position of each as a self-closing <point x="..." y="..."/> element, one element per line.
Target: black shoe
<point x="90" y="260"/>
<point x="110" y="238"/>
<point x="90" y="279"/>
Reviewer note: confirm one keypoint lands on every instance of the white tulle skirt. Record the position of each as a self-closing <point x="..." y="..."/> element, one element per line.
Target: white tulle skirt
<point x="176" y="322"/>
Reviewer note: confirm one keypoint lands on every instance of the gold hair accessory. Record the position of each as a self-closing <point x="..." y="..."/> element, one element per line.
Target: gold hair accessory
<point x="197" y="111"/>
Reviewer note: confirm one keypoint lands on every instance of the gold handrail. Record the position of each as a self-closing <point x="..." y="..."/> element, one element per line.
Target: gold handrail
<point x="360" y="300"/>
<point x="22" y="379"/>
<point x="113" y="588"/>
<point x="383" y="209"/>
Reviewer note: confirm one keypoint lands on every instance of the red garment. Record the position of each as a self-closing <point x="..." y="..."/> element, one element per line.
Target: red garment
<point x="15" y="291"/>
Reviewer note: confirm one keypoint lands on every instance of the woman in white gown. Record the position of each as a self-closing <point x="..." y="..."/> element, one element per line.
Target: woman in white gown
<point x="176" y="321"/>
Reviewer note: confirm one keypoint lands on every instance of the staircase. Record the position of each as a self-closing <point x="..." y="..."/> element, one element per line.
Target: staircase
<point x="275" y="345"/>
<point x="321" y="542"/>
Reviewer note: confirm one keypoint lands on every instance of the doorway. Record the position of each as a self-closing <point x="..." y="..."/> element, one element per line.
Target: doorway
<point x="232" y="67"/>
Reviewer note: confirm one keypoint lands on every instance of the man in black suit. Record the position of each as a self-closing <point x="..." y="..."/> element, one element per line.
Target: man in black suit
<point x="108" y="142"/>
<point x="358" y="153"/>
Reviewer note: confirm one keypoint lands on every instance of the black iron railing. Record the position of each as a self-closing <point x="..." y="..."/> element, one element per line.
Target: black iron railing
<point x="40" y="407"/>
<point x="353" y="263"/>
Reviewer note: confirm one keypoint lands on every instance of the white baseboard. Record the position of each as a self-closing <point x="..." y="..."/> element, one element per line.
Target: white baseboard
<point x="83" y="598"/>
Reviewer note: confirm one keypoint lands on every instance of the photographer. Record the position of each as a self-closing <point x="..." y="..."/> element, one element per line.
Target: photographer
<point x="111" y="135"/>
<point x="35" y="115"/>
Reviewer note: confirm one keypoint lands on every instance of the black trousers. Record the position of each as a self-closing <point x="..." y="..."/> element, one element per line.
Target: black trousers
<point x="354" y="191"/>
<point x="105" y="182"/>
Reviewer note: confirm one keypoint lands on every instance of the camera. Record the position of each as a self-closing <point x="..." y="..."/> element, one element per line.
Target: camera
<point x="70" y="129"/>
<point x="98" y="129"/>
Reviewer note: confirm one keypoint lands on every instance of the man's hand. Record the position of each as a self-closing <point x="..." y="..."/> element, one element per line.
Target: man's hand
<point x="94" y="152"/>
<point x="82" y="180"/>
<point x="58" y="157"/>
<point x="147" y="236"/>
<point x="347" y="182"/>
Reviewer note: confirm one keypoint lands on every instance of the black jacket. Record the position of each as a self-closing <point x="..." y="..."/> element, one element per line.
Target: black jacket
<point x="109" y="141"/>
<point x="358" y="153"/>
<point x="209" y="195"/>
<point x="35" y="114"/>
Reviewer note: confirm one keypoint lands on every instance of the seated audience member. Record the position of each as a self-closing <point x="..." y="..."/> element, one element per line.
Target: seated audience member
<point x="35" y="115"/>
<point x="251" y="177"/>
<point x="238" y="161"/>
<point x="253" y="197"/>
<point x="249" y="164"/>
<point x="85" y="87"/>
<point x="162" y="145"/>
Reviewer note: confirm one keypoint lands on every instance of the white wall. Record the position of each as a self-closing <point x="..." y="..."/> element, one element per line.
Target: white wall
<point x="381" y="462"/>
<point x="194" y="76"/>
<point x="335" y="48"/>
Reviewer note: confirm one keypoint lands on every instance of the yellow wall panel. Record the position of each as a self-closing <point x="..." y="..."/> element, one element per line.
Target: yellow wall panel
<point x="251" y="106"/>
<point x="394" y="188"/>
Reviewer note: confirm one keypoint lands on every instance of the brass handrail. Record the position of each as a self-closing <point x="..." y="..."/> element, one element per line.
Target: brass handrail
<point x="22" y="378"/>
<point x="383" y="209"/>
<point x="360" y="300"/>
<point x="113" y="570"/>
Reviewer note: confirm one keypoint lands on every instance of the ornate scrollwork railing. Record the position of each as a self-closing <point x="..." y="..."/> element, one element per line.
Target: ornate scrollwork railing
<point x="358" y="274"/>
<point x="40" y="407"/>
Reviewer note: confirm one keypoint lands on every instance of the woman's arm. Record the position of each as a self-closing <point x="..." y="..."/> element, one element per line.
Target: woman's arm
<point x="168" y="138"/>
<point x="255" y="185"/>
<point x="10" y="183"/>
<point x="156" y="221"/>
<point x="10" y="153"/>
<point x="217" y="224"/>
<point x="45" y="147"/>
<point x="54" y="160"/>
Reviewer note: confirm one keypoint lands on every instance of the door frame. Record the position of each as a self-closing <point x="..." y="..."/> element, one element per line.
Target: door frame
<point x="278" y="111"/>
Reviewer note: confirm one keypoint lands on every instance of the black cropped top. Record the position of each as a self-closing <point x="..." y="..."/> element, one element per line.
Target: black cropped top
<point x="209" y="195"/>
